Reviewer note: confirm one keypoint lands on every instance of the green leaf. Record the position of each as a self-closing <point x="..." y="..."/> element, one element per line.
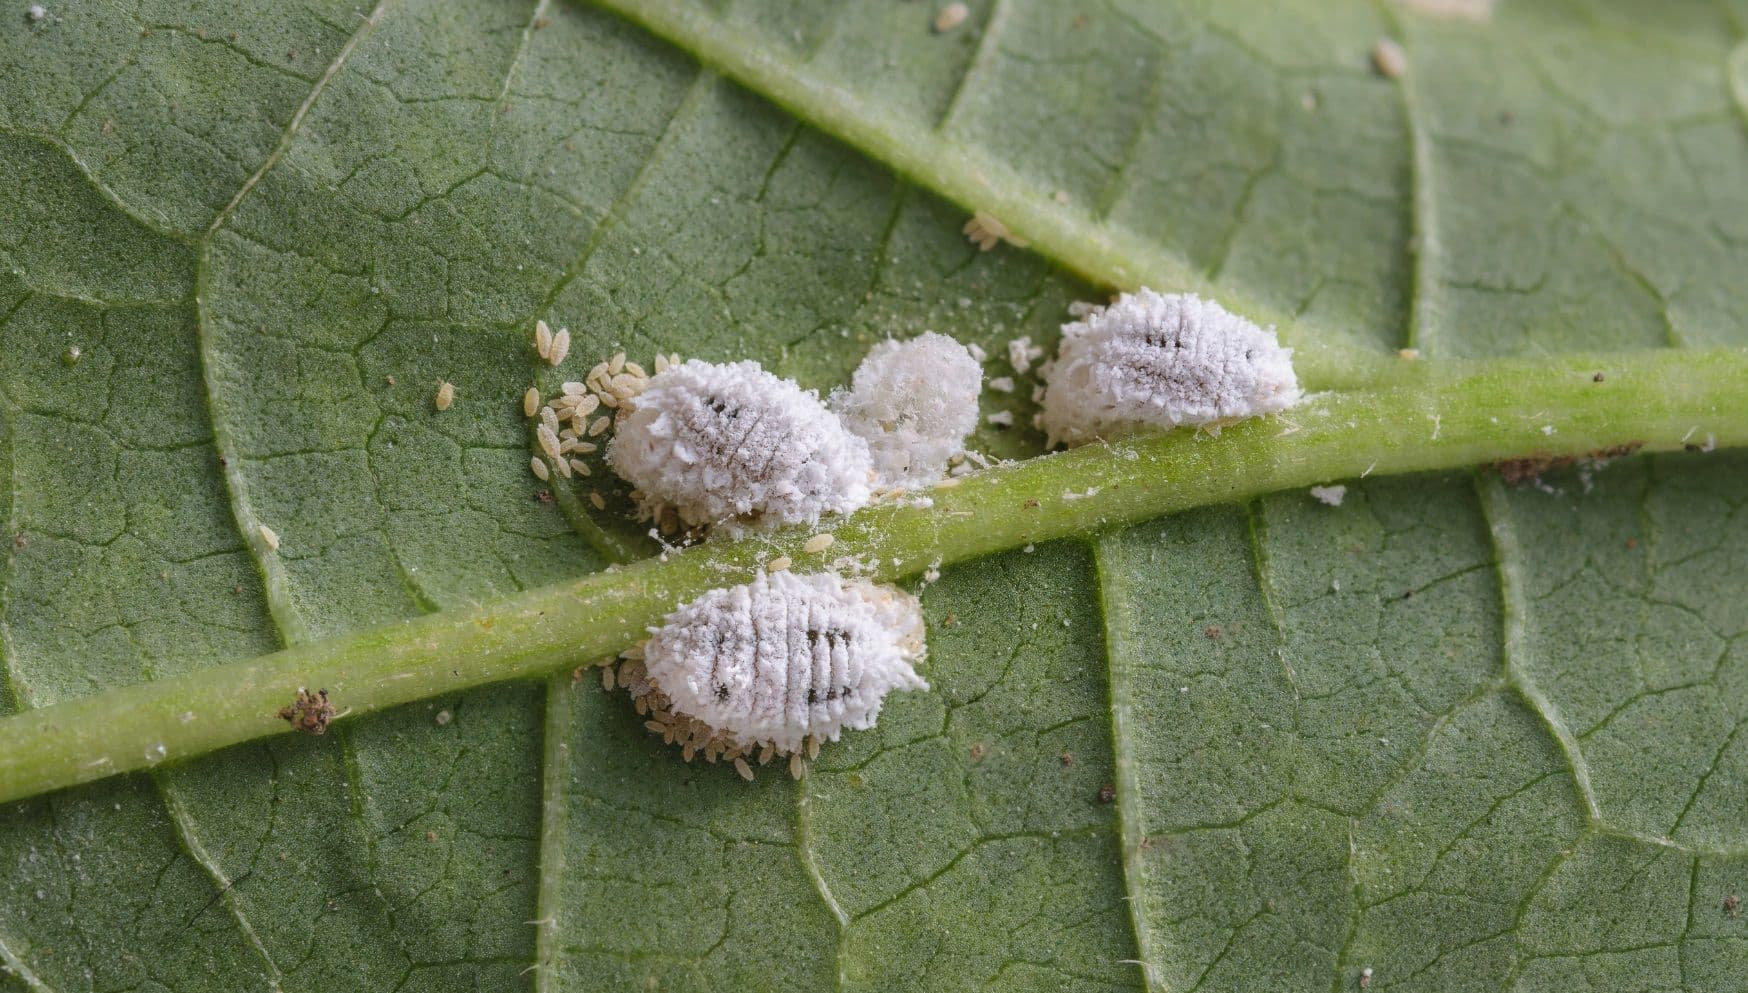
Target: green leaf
<point x="1464" y="733"/>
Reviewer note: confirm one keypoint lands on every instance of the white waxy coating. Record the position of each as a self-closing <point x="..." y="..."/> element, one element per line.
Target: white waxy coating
<point x="914" y="402"/>
<point x="1157" y="360"/>
<point x="734" y="443"/>
<point x="787" y="656"/>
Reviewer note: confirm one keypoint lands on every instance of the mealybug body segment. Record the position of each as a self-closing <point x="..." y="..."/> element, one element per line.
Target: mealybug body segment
<point x="1158" y="360"/>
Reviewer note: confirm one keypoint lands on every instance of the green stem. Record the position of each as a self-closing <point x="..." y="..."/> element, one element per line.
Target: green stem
<point x="1458" y="415"/>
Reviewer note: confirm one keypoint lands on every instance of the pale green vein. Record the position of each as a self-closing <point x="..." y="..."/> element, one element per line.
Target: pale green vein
<point x="191" y="843"/>
<point x="1131" y="831"/>
<point x="273" y="577"/>
<point x="1507" y="553"/>
<point x="1424" y="246"/>
<point x="979" y="66"/>
<point x="8" y="650"/>
<point x="291" y="127"/>
<point x="810" y="865"/>
<point x="554" y="801"/>
<point x="11" y="963"/>
<point x="1463" y="414"/>
<point x="615" y="212"/>
<point x="1737" y="70"/>
<point x="974" y="178"/>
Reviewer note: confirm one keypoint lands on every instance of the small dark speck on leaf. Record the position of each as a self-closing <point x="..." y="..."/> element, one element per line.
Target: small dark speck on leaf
<point x="1506" y="118"/>
<point x="309" y="713"/>
<point x="543" y="496"/>
<point x="1732" y="905"/>
<point x="390" y="380"/>
<point x="977" y="750"/>
<point x="21" y="540"/>
<point x="1691" y="447"/>
<point x="1029" y="505"/>
<point x="1067" y="759"/>
<point x="1107" y="793"/>
<point x="1212" y="632"/>
<point x="1632" y="543"/>
<point x="431" y="836"/>
<point x="950" y="620"/>
<point x="1599" y="377"/>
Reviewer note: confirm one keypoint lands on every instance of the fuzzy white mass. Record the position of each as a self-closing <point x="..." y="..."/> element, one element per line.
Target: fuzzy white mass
<point x="787" y="656"/>
<point x="1158" y="360"/>
<point x="735" y="443"/>
<point x="914" y="402"/>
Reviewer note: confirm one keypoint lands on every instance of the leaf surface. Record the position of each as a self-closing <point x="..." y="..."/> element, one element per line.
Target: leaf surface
<point x="1463" y="733"/>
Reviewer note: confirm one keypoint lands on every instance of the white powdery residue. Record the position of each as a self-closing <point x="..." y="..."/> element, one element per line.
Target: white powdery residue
<point x="1547" y="429"/>
<point x="1002" y="384"/>
<point x="1153" y="360"/>
<point x="788" y="656"/>
<point x="1001" y="419"/>
<point x="1022" y="353"/>
<point x="977" y="352"/>
<point x="720" y="443"/>
<point x="1091" y="491"/>
<point x="913" y="402"/>
<point x="1330" y="495"/>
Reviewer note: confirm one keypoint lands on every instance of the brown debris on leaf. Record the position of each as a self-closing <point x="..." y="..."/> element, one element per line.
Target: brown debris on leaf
<point x="1530" y="467"/>
<point x="309" y="713"/>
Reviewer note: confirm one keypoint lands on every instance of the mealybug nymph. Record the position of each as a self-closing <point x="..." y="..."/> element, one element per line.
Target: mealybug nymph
<point x="1157" y="360"/>
<point x="734" y="443"/>
<point x="914" y="402"/>
<point x="781" y="660"/>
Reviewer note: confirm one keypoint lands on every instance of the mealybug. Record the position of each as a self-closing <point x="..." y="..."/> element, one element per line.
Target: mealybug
<point x="733" y="443"/>
<point x="783" y="659"/>
<point x="1157" y="360"/>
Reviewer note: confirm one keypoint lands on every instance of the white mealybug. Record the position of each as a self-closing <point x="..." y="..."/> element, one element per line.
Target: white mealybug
<point x="914" y="402"/>
<point x="1157" y="360"/>
<point x="783" y="659"/>
<point x="733" y="443"/>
